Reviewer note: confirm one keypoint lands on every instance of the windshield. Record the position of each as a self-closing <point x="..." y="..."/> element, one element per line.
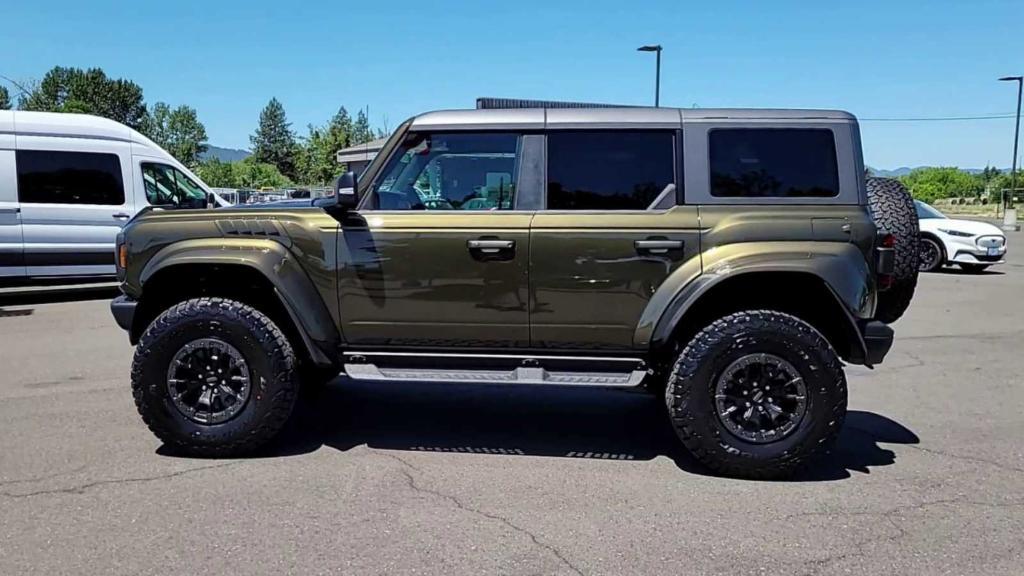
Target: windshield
<point x="925" y="211"/>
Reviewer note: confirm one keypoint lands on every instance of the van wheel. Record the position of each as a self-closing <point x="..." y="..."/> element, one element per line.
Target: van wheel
<point x="892" y="209"/>
<point x="757" y="394"/>
<point x="214" y="377"/>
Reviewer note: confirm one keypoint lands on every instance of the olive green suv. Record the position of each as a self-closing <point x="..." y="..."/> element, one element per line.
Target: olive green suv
<point x="729" y="260"/>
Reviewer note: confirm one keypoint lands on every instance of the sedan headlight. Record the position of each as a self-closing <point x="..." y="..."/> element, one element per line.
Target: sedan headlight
<point x="956" y="233"/>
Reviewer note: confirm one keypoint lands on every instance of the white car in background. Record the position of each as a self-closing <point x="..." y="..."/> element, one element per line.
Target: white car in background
<point x="972" y="245"/>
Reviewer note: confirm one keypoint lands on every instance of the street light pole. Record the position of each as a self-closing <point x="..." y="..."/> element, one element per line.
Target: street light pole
<point x="657" y="71"/>
<point x="1009" y="213"/>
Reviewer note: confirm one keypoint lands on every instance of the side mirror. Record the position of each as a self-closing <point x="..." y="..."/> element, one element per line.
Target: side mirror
<point x="346" y="196"/>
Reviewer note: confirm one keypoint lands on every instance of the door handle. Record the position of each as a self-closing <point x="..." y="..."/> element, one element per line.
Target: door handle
<point x="10" y="210"/>
<point x="657" y="246"/>
<point x="121" y="216"/>
<point x="491" y="246"/>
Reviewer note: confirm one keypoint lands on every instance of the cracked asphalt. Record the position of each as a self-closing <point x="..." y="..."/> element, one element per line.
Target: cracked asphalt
<point x="928" y="477"/>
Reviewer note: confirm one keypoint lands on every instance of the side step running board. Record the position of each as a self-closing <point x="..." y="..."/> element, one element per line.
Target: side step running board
<point x="518" y="375"/>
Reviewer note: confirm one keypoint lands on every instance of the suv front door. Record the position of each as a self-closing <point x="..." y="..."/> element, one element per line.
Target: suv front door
<point x="438" y="253"/>
<point x="613" y="230"/>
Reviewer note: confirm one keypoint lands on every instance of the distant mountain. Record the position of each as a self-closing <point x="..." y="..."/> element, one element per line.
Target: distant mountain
<point x="225" y="154"/>
<point x="903" y="171"/>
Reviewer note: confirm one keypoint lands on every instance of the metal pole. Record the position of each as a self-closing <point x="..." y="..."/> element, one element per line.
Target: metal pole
<point x="1016" y="137"/>
<point x="657" y="88"/>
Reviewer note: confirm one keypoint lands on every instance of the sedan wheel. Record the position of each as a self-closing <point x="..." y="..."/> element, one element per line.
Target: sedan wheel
<point x="931" y="255"/>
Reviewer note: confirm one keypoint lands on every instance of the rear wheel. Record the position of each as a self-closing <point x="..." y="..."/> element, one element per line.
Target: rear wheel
<point x="214" y="377"/>
<point x="893" y="211"/>
<point x="757" y="394"/>
<point x="932" y="255"/>
<point x="974" y="268"/>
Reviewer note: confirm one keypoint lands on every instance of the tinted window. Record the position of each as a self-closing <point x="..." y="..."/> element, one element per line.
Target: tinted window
<point x="46" y="177"/>
<point x="786" y="163"/>
<point x="460" y="171"/>
<point x="613" y="170"/>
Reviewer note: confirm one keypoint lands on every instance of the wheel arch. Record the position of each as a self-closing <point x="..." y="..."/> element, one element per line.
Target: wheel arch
<point x="939" y="241"/>
<point x="258" y="272"/>
<point x="798" y="292"/>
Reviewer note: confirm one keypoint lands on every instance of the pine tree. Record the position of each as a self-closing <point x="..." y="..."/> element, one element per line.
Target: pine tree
<point x="5" y="99"/>
<point x="274" y="143"/>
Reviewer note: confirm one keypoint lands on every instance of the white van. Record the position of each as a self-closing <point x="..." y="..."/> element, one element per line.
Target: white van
<point x="69" y="182"/>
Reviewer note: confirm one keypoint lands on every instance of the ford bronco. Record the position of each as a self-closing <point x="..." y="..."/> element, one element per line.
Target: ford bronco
<point x="729" y="260"/>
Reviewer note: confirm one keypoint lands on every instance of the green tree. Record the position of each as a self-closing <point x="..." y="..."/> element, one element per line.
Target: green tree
<point x="274" y="143"/>
<point x="88" y="91"/>
<point x="178" y="131"/>
<point x="930" y="184"/>
<point x="250" y="173"/>
<point x="361" y="130"/>
<point x="5" y="99"/>
<point x="217" y="174"/>
<point x="316" y="159"/>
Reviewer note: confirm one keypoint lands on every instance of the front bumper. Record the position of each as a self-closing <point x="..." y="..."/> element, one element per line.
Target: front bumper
<point x="978" y="257"/>
<point x="123" y="309"/>
<point x="985" y="249"/>
<point x="877" y="341"/>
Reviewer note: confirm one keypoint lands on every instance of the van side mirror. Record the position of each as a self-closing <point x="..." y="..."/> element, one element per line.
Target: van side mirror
<point x="346" y="195"/>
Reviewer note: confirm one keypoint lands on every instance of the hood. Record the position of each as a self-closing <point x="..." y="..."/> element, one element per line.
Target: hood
<point x="969" y="226"/>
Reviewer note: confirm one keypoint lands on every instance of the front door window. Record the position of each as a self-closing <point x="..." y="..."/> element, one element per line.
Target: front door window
<point x="168" y="186"/>
<point x="456" y="171"/>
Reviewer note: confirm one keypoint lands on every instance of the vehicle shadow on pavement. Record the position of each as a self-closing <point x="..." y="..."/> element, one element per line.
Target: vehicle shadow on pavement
<point x="544" y="421"/>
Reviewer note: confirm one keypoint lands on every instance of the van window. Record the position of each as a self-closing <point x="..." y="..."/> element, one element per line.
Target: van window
<point x="773" y="162"/>
<point x="168" y="186"/>
<point x="450" y="171"/>
<point x="49" y="177"/>
<point x="610" y="170"/>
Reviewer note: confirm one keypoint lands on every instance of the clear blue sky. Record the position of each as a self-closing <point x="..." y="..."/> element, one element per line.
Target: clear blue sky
<point x="877" y="59"/>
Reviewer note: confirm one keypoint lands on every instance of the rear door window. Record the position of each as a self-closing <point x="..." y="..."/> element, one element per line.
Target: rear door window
<point x="51" y="177"/>
<point x="773" y="163"/>
<point x="610" y="170"/>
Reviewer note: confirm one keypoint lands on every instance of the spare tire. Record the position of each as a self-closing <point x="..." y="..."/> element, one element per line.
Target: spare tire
<point x="893" y="211"/>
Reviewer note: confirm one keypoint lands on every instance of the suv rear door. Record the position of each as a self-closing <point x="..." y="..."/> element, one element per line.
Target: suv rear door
<point x="438" y="253"/>
<point x="613" y="229"/>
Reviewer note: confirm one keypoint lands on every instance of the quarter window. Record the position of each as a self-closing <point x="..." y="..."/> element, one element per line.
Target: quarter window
<point x="450" y="171"/>
<point x="773" y="163"/>
<point x="50" y="177"/>
<point x="610" y="170"/>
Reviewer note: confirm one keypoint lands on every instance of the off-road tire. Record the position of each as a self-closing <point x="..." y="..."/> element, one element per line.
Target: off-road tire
<point x="691" y="390"/>
<point x="892" y="209"/>
<point x="273" y="381"/>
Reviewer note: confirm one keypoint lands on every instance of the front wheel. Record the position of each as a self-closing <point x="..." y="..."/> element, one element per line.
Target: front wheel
<point x="932" y="255"/>
<point x="214" y="377"/>
<point x="757" y="394"/>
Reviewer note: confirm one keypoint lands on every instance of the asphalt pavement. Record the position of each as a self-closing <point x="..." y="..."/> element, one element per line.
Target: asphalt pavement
<point x="928" y="476"/>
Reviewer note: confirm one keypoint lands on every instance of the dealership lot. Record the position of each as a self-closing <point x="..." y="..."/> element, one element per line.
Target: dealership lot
<point x="928" y="476"/>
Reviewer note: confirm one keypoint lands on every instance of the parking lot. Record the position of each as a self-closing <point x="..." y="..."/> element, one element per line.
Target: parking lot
<point x="928" y="477"/>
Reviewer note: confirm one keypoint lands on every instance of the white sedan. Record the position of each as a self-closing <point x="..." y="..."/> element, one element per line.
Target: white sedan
<point x="971" y="245"/>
